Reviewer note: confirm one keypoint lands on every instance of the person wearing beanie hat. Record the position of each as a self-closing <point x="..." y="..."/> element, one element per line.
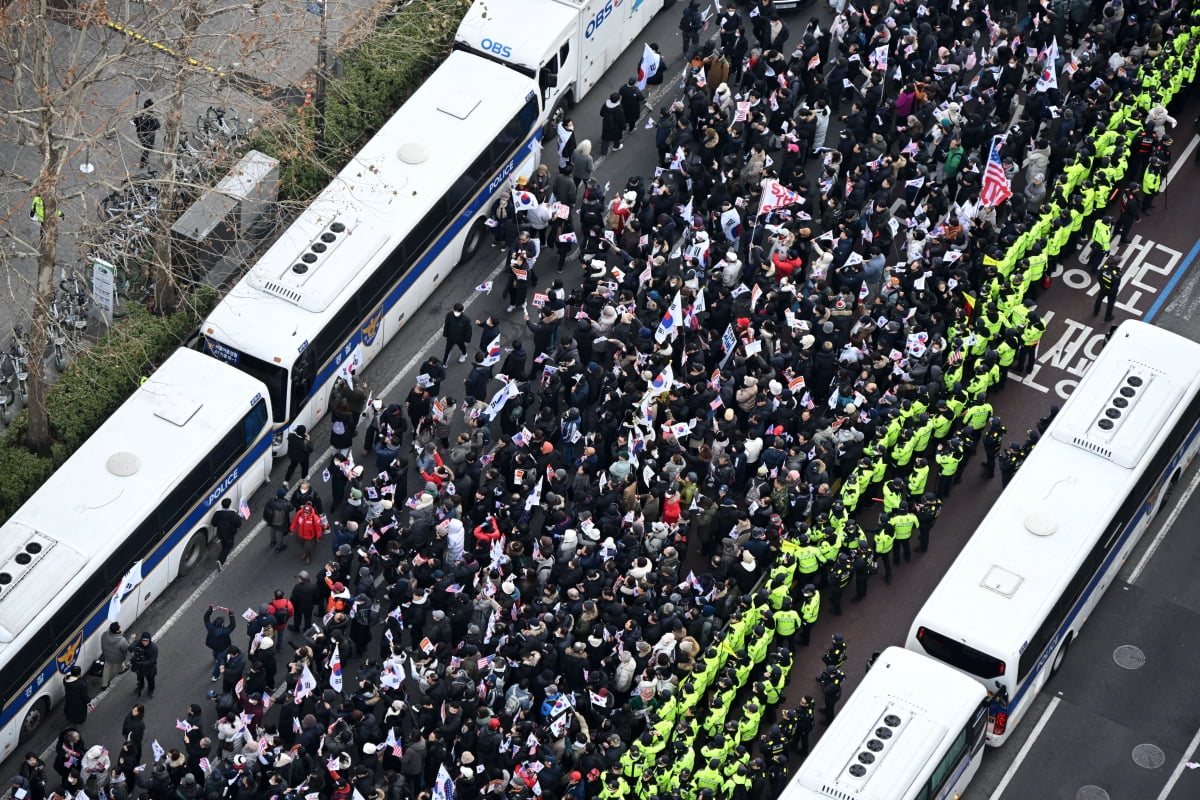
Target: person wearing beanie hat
<point x="277" y="513"/>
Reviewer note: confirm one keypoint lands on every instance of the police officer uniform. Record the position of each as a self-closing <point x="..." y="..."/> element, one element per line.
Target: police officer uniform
<point x="831" y="680"/>
<point x="1109" y="279"/>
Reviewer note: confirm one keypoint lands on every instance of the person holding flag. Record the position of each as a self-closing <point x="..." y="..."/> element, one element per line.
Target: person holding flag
<point x="995" y="188"/>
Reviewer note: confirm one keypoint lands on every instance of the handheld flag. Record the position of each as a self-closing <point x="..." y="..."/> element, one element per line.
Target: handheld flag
<point x="995" y="188"/>
<point x="335" y="670"/>
<point x="443" y="787"/>
<point x="669" y="327"/>
<point x="1048" y="79"/>
<point x="775" y="196"/>
<point x="128" y="583"/>
<point x="651" y="61"/>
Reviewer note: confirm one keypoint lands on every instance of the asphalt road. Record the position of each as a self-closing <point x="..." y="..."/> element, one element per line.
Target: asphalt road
<point x="883" y="619"/>
<point x="1103" y="730"/>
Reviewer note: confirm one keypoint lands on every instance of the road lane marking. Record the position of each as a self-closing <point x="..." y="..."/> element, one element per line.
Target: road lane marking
<point x="1025" y="748"/>
<point x="1166" y="526"/>
<point x="1183" y="762"/>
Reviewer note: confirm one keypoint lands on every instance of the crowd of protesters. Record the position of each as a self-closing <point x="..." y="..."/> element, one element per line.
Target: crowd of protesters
<point x="774" y="365"/>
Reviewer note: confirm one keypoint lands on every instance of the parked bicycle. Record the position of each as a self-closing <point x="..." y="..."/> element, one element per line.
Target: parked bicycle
<point x="221" y="127"/>
<point x="18" y="353"/>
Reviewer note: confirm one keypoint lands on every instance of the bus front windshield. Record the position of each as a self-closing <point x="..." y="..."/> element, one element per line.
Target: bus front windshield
<point x="274" y="376"/>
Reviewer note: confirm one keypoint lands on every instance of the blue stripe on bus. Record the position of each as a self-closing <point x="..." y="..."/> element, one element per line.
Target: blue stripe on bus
<point x="99" y="619"/>
<point x="1015" y="702"/>
<point x="331" y="366"/>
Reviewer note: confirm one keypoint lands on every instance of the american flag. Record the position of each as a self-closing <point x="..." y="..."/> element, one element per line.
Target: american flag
<point x="995" y="189"/>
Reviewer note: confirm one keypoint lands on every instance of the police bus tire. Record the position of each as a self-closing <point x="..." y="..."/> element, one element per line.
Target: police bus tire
<point x="474" y="240"/>
<point x="34" y="717"/>
<point x="1060" y="656"/>
<point x="193" y="553"/>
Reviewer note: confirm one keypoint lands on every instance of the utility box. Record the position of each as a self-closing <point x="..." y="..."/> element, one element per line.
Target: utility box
<point x="254" y="183"/>
<point x="203" y="234"/>
<point x="214" y="224"/>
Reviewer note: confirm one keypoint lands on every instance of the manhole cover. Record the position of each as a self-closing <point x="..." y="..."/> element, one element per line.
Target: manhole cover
<point x="1149" y="756"/>
<point x="1129" y="656"/>
<point x="1091" y="793"/>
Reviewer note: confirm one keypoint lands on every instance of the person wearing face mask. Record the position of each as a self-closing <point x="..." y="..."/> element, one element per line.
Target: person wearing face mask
<point x="457" y="332"/>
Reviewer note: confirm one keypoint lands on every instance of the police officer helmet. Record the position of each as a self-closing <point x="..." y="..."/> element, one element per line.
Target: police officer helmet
<point x="831" y="669"/>
<point x="809" y="588"/>
<point x="1134" y="186"/>
<point x="837" y="637"/>
<point x="1108" y="220"/>
<point x="787" y="602"/>
<point x="930" y="497"/>
<point x="843" y="558"/>
<point x="804" y="540"/>
<point x="903" y="505"/>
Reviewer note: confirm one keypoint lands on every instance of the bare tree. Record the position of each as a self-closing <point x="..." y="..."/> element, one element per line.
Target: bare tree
<point x="48" y="79"/>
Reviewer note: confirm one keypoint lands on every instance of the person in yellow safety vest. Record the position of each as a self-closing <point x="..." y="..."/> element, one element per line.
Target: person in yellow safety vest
<point x="830" y="545"/>
<point x="759" y="643"/>
<point x="808" y="558"/>
<point x="787" y="622"/>
<point x="1038" y="260"/>
<point x="1006" y="354"/>
<point x="918" y="477"/>
<point x="748" y="725"/>
<point x="884" y="541"/>
<point x="810" y="606"/>
<point x="922" y="433"/>
<point x="856" y="483"/>
<point x="904" y="524"/>
<point x="893" y="493"/>
<point x="878" y="465"/>
<point x="978" y="385"/>
<point x="780" y="589"/>
<point x="976" y="417"/>
<point x="710" y="778"/>
<point x="902" y="453"/>
<point x="615" y="787"/>
<point x="1151" y="183"/>
<point x="716" y="749"/>
<point x="1031" y="334"/>
<point x="943" y="419"/>
<point x="1102" y="233"/>
<point x="714" y="717"/>
<point x="948" y="458"/>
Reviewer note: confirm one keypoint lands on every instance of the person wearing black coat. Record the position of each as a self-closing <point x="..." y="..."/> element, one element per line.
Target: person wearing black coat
<point x="75" y="697"/>
<point x="133" y="729"/>
<point x="457" y="332"/>
<point x="217" y="637"/>
<point x="476" y="384"/>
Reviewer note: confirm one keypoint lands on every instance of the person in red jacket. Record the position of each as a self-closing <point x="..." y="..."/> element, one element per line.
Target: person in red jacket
<point x="283" y="610"/>
<point x="309" y="529"/>
<point x="670" y="508"/>
<point x="485" y="534"/>
<point x="789" y="264"/>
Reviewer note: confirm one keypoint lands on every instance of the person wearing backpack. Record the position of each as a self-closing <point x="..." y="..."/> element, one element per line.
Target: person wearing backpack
<point x="282" y="610"/>
<point x="278" y="515"/>
<point x="689" y="27"/>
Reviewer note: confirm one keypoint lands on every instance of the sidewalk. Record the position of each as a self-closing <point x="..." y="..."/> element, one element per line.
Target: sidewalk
<point x="256" y="65"/>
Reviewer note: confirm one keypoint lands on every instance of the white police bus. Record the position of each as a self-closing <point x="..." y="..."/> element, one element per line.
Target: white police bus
<point x="369" y="251"/>
<point x="142" y="488"/>
<point x="913" y="730"/>
<point x="1009" y="607"/>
